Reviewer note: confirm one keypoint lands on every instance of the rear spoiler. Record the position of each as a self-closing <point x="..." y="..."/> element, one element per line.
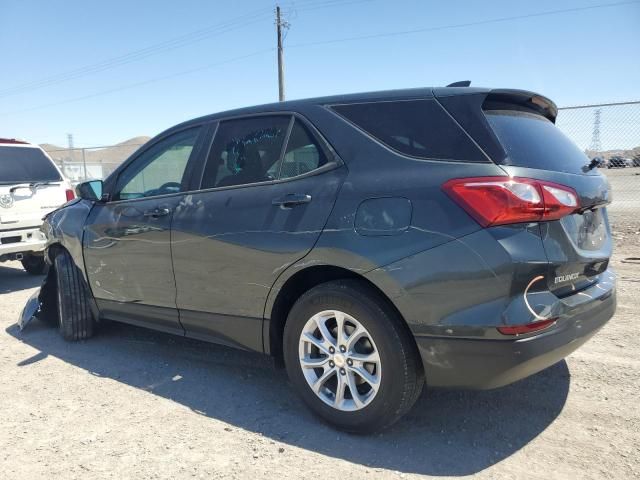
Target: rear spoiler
<point x="467" y="105"/>
<point x="503" y="99"/>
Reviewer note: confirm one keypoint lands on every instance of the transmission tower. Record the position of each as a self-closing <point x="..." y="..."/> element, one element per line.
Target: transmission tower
<point x="595" y="137"/>
<point x="70" y="141"/>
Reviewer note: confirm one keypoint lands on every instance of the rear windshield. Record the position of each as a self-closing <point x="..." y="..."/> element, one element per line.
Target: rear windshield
<point x="418" y="128"/>
<point x="25" y="165"/>
<point x="533" y="141"/>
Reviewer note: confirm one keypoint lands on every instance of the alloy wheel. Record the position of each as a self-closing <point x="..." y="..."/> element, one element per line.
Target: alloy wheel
<point x="340" y="360"/>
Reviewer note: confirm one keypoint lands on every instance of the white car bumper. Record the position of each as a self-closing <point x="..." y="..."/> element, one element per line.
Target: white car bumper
<point x="26" y="240"/>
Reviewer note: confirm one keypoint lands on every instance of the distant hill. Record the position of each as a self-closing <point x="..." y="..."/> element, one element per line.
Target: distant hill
<point x="109" y="156"/>
<point x="607" y="154"/>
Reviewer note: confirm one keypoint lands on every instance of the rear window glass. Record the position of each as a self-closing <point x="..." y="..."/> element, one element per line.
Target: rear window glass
<point x="25" y="164"/>
<point x="418" y="128"/>
<point x="533" y="141"/>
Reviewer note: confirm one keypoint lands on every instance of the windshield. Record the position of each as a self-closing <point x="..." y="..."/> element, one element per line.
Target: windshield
<point x="25" y="165"/>
<point x="533" y="141"/>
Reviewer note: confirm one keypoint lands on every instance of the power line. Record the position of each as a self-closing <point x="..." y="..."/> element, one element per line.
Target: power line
<point x="165" y="46"/>
<point x="462" y="25"/>
<point x="139" y="84"/>
<point x="362" y="37"/>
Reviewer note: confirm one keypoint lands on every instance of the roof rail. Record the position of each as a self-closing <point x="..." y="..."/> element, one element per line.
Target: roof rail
<point x="13" y="141"/>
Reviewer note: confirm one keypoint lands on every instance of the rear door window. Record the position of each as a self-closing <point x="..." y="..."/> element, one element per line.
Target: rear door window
<point x="26" y="165"/>
<point x="533" y="141"/>
<point x="245" y="151"/>
<point x="303" y="153"/>
<point x="417" y="128"/>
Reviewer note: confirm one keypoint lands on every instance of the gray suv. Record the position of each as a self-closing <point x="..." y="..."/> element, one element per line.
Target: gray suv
<point x="371" y="243"/>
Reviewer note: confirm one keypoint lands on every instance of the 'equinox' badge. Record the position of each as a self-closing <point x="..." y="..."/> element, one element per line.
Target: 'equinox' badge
<point x="566" y="278"/>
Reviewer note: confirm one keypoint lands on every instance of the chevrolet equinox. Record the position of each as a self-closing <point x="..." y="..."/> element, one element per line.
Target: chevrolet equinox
<point x="371" y="243"/>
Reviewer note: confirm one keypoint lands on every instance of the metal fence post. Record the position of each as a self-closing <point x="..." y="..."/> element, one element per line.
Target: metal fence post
<point x="84" y="164"/>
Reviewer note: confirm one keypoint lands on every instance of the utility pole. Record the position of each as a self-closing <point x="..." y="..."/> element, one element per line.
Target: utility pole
<point x="280" y="26"/>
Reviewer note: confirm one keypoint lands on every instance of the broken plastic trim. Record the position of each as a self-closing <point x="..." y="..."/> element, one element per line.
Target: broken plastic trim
<point x="30" y="310"/>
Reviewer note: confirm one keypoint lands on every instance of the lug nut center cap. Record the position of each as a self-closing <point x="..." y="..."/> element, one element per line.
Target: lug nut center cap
<point x="339" y="360"/>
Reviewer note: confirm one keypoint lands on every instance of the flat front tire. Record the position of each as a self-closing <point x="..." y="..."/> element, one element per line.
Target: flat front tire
<point x="75" y="318"/>
<point x="350" y="357"/>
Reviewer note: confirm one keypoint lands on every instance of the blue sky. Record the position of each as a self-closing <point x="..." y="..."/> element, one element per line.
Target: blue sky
<point x="574" y="57"/>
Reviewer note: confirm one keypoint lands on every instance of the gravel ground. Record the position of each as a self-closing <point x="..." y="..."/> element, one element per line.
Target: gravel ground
<point x="133" y="403"/>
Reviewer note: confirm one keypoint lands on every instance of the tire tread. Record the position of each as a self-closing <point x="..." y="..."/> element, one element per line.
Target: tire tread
<point x="75" y="320"/>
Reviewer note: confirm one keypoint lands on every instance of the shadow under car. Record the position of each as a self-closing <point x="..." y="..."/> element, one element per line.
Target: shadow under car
<point x="450" y="433"/>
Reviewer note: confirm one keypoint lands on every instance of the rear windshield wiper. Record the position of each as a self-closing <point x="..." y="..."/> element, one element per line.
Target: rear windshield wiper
<point x="596" y="162"/>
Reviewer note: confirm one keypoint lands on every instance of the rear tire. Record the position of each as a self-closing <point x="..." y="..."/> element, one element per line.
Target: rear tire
<point x="75" y="319"/>
<point x="34" y="264"/>
<point x="392" y="377"/>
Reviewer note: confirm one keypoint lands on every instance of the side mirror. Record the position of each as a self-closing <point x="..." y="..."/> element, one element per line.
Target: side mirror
<point x="91" y="190"/>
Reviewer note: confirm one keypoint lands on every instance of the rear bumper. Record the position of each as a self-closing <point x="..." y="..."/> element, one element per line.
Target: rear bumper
<point x="26" y="240"/>
<point x="490" y="363"/>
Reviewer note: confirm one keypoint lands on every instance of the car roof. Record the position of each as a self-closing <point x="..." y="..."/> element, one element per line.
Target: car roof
<point x="293" y="105"/>
<point x="382" y="95"/>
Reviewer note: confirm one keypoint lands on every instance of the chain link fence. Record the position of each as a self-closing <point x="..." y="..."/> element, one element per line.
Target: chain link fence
<point x="80" y="164"/>
<point x="609" y="132"/>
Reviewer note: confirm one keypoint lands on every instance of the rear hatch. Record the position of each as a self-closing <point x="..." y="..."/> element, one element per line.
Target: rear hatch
<point x="578" y="245"/>
<point x="30" y="187"/>
<point x="527" y="144"/>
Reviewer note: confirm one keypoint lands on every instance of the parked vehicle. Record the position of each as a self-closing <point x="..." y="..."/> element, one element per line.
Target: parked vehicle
<point x="369" y="242"/>
<point x="635" y="161"/>
<point x="617" y="162"/>
<point x="31" y="186"/>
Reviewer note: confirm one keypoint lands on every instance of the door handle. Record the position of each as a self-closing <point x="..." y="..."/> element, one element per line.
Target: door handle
<point x="291" y="200"/>
<point x="157" y="212"/>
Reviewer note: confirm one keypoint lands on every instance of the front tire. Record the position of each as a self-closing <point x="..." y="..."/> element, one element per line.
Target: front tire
<point x="350" y="357"/>
<point x="34" y="264"/>
<point x="75" y="319"/>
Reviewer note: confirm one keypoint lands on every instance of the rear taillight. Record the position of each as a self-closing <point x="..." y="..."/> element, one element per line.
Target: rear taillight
<point x="503" y="200"/>
<point x="528" y="328"/>
<point x="70" y="194"/>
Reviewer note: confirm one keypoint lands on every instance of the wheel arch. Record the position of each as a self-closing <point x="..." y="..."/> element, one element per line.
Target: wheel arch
<point x="299" y="283"/>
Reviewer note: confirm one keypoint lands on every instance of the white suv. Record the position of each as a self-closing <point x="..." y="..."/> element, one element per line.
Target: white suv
<point x="31" y="186"/>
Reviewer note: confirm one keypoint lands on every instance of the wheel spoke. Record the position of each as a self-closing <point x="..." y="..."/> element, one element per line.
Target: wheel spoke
<point x="340" y="386"/>
<point x="340" y="334"/>
<point x="320" y="344"/>
<point x="327" y="338"/>
<point x="372" y="357"/>
<point x="323" y="379"/>
<point x="356" y="335"/>
<point x="353" y="388"/>
<point x="308" y="362"/>
<point x="367" y="377"/>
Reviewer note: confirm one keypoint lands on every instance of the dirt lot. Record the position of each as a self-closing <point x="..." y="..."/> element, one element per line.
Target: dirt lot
<point x="132" y="403"/>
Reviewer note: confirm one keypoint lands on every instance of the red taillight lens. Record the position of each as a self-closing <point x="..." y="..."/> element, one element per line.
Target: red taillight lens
<point x="503" y="200"/>
<point x="528" y="328"/>
<point x="70" y="195"/>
